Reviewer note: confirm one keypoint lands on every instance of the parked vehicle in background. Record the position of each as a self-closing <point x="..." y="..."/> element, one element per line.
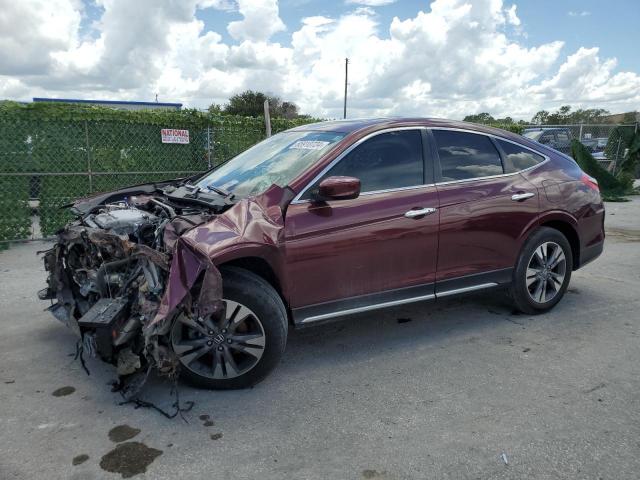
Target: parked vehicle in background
<point x="204" y="276"/>
<point x="595" y="144"/>
<point x="601" y="144"/>
<point x="558" y="138"/>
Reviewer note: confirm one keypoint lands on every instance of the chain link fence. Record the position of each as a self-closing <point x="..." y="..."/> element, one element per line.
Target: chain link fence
<point x="47" y="164"/>
<point x="607" y="149"/>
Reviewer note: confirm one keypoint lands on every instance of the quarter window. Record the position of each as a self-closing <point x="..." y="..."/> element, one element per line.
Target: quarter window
<point x="387" y="161"/>
<point x="466" y="155"/>
<point x="518" y="158"/>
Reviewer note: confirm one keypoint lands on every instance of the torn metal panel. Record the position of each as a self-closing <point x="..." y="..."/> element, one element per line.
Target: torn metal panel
<point x="251" y="221"/>
<point x="123" y="271"/>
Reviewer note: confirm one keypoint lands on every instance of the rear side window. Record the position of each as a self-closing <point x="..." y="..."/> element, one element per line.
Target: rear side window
<point x="386" y="161"/>
<point x="518" y="158"/>
<point x="466" y="155"/>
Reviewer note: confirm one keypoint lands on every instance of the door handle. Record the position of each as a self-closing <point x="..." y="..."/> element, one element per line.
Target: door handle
<point x="518" y="197"/>
<point x="420" y="212"/>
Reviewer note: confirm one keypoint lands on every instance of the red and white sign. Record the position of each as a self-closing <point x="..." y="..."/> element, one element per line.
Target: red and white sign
<point x="171" y="135"/>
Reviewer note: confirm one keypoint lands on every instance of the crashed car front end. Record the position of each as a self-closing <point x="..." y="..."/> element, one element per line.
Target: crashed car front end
<point x="122" y="272"/>
<point x="136" y="275"/>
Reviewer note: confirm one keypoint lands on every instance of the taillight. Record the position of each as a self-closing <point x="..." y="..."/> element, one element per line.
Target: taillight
<point x="590" y="182"/>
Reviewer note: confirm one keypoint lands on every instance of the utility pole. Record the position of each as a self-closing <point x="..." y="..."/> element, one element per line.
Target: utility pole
<point x="346" y="76"/>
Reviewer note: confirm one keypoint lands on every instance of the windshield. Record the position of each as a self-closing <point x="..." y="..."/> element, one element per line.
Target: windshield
<point x="533" y="134"/>
<point x="276" y="160"/>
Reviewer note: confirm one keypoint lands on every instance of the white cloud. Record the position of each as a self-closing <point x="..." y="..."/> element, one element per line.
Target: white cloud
<point x="31" y="31"/>
<point x="582" y="13"/>
<point x="371" y="3"/>
<point x="454" y="58"/>
<point x="512" y="16"/>
<point x="226" y="5"/>
<point x="585" y="77"/>
<point x="261" y="20"/>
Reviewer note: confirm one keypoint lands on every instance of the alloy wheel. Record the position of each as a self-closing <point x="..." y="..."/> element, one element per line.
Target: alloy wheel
<point x="219" y="350"/>
<point x="546" y="272"/>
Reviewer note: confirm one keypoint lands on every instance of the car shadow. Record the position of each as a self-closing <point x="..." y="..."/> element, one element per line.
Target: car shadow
<point x="312" y="354"/>
<point x="359" y="336"/>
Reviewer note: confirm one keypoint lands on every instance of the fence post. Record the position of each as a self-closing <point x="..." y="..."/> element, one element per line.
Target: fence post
<point x="580" y="134"/>
<point x="86" y="137"/>
<point x="208" y="147"/>
<point x="267" y="118"/>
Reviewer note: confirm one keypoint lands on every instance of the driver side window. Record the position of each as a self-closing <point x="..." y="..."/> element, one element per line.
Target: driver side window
<point x="386" y="161"/>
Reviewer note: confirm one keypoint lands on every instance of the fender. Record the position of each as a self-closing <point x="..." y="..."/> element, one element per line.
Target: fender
<point x="558" y="215"/>
<point x="271" y="254"/>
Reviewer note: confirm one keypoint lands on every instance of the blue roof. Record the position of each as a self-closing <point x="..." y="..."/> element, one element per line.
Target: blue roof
<point x="112" y="102"/>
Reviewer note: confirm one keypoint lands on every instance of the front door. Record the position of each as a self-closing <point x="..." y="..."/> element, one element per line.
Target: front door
<point x="378" y="248"/>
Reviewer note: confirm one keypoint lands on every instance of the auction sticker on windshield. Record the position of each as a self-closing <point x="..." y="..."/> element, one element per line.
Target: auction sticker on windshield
<point x="309" y="145"/>
<point x="172" y="135"/>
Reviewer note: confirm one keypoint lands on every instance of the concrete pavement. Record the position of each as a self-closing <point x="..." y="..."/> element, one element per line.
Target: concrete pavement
<point x="425" y="391"/>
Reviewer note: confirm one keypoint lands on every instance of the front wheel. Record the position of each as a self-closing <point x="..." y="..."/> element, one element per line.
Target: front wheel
<point x="542" y="271"/>
<point x="240" y="349"/>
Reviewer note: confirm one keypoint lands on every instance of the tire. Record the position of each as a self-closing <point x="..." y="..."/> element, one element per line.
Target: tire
<point x="537" y="285"/>
<point x="243" y="292"/>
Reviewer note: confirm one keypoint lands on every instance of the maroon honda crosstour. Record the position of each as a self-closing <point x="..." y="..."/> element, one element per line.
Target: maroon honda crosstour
<point x="203" y="276"/>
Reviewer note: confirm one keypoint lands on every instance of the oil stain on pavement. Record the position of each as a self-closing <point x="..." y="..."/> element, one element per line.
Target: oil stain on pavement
<point x="79" y="459"/>
<point x="206" y="420"/>
<point x="129" y="459"/>
<point x="122" y="433"/>
<point x="63" y="391"/>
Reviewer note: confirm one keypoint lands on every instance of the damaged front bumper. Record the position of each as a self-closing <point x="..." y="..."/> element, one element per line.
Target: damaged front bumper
<point x="121" y="274"/>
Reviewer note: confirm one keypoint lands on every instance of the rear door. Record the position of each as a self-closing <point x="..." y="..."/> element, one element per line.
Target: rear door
<point x="485" y="211"/>
<point x="376" y="243"/>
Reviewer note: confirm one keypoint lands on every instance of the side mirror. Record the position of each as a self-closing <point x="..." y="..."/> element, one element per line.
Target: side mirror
<point x="339" y="188"/>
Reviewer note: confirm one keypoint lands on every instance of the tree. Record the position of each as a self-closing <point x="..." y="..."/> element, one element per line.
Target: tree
<point x="590" y="115"/>
<point x="564" y="116"/>
<point x="540" y="118"/>
<point x="215" y="109"/>
<point x="251" y="104"/>
<point x="287" y="110"/>
<point x="483" y="117"/>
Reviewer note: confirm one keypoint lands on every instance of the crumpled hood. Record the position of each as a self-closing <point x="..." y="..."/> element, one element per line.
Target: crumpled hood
<point x="256" y="220"/>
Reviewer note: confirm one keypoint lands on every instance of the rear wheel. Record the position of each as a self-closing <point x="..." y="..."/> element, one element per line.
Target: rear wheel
<point x="241" y="348"/>
<point x="542" y="272"/>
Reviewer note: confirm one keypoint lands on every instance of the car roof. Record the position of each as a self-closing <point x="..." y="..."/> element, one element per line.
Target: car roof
<point x="374" y="124"/>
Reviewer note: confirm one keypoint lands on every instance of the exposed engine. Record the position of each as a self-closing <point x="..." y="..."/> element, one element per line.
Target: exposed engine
<point x="109" y="270"/>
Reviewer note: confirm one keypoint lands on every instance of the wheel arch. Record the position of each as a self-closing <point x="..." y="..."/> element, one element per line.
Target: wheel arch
<point x="570" y="232"/>
<point x="260" y="266"/>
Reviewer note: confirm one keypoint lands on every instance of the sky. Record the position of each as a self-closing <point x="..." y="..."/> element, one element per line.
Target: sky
<point x="439" y="58"/>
